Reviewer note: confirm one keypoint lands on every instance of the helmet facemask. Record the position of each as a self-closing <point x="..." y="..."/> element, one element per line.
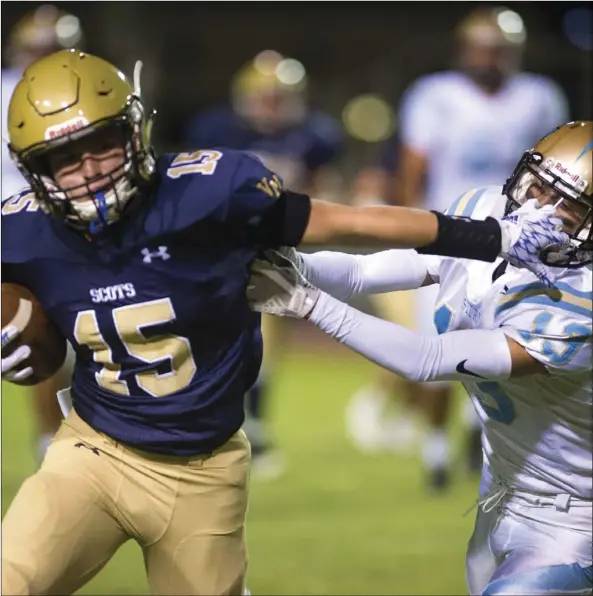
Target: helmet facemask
<point x="550" y="183"/>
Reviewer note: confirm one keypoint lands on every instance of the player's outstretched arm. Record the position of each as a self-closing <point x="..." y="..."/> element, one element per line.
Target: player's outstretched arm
<point x="518" y="239"/>
<point x="376" y="226"/>
<point x="478" y="354"/>
<point x="460" y="355"/>
<point x="344" y="275"/>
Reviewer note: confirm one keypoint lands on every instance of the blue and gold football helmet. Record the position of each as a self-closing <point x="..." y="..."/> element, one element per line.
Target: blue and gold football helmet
<point x="558" y="170"/>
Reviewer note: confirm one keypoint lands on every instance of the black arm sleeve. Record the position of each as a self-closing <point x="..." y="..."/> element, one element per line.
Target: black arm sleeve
<point x="285" y="222"/>
<point x="465" y="238"/>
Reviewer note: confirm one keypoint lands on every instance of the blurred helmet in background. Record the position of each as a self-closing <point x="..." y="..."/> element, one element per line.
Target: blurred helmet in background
<point x="490" y="45"/>
<point x="269" y="92"/>
<point x="41" y="32"/>
<point x="559" y="171"/>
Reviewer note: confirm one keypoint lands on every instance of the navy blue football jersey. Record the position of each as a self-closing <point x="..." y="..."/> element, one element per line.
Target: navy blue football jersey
<point x="293" y="153"/>
<point x="166" y="344"/>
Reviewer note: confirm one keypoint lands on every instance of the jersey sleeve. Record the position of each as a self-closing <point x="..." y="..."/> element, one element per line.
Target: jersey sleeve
<point x="21" y="221"/>
<point x="261" y="209"/>
<point x="554" y="326"/>
<point x="419" y="116"/>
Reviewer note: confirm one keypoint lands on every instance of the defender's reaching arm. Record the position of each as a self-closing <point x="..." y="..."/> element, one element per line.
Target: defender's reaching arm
<point x="470" y="354"/>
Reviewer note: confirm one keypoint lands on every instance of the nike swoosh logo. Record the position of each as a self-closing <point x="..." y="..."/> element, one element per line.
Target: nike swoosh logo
<point x="461" y="369"/>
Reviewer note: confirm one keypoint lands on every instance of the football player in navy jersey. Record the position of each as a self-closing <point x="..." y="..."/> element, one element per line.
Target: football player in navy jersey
<point x="268" y="116"/>
<point x="142" y="263"/>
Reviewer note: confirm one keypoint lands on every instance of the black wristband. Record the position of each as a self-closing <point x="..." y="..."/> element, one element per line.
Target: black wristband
<point x="465" y="238"/>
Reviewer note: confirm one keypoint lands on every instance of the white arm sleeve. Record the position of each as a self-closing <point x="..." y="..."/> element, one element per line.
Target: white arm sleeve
<point x="343" y="275"/>
<point x="466" y="355"/>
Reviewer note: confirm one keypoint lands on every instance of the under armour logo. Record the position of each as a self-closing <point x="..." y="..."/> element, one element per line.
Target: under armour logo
<point x="161" y="253"/>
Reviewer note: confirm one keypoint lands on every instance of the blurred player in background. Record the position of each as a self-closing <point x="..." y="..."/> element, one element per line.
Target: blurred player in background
<point x="458" y="129"/>
<point x="269" y="117"/>
<point x="39" y="33"/>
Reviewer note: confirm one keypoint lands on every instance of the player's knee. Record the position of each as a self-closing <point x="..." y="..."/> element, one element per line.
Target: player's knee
<point x="14" y="581"/>
<point x="548" y="581"/>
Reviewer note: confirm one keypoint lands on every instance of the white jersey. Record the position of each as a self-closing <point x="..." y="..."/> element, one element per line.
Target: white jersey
<point x="12" y="179"/>
<point x="472" y="139"/>
<point x="538" y="429"/>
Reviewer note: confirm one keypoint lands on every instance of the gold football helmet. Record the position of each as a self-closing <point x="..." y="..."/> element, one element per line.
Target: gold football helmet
<point x="558" y="170"/>
<point x="62" y="98"/>
<point x="498" y="26"/>
<point x="491" y="41"/>
<point x="268" y="92"/>
<point x="41" y="32"/>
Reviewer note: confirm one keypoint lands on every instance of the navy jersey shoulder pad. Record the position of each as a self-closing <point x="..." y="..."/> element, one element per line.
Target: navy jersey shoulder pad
<point x="24" y="228"/>
<point x="203" y="184"/>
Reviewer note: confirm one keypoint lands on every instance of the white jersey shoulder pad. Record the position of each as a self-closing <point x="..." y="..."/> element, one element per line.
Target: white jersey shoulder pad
<point x="554" y="325"/>
<point x="479" y="203"/>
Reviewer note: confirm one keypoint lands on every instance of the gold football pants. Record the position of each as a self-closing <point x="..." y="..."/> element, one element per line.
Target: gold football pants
<point x="92" y="494"/>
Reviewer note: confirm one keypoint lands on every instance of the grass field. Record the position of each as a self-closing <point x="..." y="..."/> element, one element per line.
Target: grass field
<point x="337" y="522"/>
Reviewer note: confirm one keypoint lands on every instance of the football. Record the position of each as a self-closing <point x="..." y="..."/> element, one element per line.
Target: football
<point x="48" y="347"/>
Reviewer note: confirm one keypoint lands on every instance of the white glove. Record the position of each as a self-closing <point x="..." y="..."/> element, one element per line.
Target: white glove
<point x="290" y="253"/>
<point x="277" y="287"/>
<point x="526" y="232"/>
<point x="10" y="363"/>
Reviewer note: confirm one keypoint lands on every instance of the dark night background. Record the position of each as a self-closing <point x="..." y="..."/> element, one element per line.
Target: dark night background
<point x="192" y="49"/>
